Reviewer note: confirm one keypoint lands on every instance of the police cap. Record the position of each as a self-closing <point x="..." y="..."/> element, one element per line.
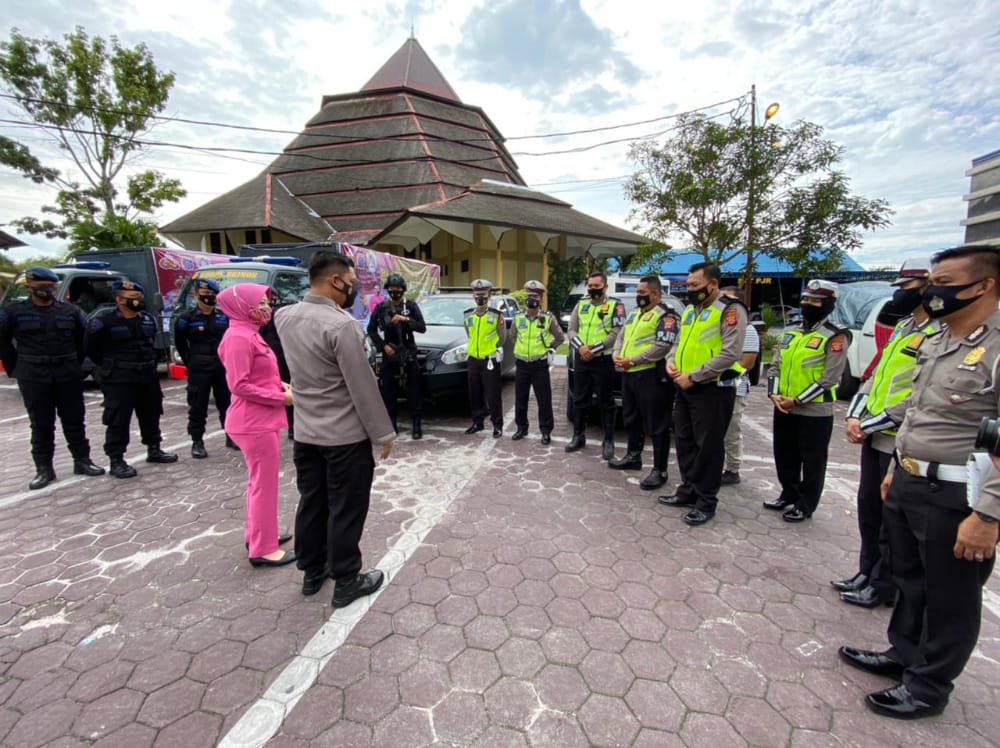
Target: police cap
<point x="205" y="284"/>
<point x="820" y="289"/>
<point x="39" y="273"/>
<point x="913" y="268"/>
<point x="481" y="284"/>
<point x="127" y="285"/>
<point x="534" y="287"/>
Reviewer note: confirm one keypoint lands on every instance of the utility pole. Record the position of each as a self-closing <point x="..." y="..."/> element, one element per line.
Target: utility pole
<point x="751" y="198"/>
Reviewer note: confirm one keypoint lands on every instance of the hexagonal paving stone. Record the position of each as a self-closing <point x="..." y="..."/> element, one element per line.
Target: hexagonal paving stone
<point x="656" y="705"/>
<point x="394" y="655"/>
<point x="555" y="729"/>
<point x="349" y="664"/>
<point x="520" y="657"/>
<point x="460" y="717"/>
<point x="406" y="726"/>
<point x="486" y="632"/>
<point x="370" y="699"/>
<point x="474" y="670"/>
<point x="608" y="721"/>
<point x="108" y="713"/>
<point x="528" y="621"/>
<point x="442" y="643"/>
<point x="699" y="690"/>
<point x="561" y="688"/>
<point x="170" y="703"/>
<point x="607" y="673"/>
<point x="511" y="702"/>
<point x="424" y="684"/>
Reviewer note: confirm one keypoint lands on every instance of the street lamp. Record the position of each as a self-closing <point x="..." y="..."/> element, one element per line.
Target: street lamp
<point x="771" y="110"/>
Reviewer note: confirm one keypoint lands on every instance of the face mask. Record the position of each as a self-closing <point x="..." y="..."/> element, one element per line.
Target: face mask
<point x="905" y="300"/>
<point x="940" y="301"/>
<point x="136" y="304"/>
<point x="395" y="295"/>
<point x="642" y="300"/>
<point x="207" y="300"/>
<point x="42" y="294"/>
<point x="697" y="295"/>
<point x="260" y="315"/>
<point x="532" y="303"/>
<point x="813" y="314"/>
<point x="350" y="292"/>
<point x="481" y="300"/>
<point x="595" y="293"/>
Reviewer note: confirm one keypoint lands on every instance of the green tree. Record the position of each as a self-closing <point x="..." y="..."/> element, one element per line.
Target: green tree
<point x="729" y="187"/>
<point x="94" y="99"/>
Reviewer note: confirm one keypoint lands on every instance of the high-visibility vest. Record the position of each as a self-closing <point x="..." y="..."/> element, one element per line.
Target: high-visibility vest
<point x="534" y="337"/>
<point x="892" y="379"/>
<point x="596" y="320"/>
<point x="484" y="332"/>
<point x="640" y="334"/>
<point x="701" y="336"/>
<point x="803" y="358"/>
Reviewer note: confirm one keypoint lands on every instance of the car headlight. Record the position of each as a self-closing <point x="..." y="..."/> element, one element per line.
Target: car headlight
<point x="455" y="355"/>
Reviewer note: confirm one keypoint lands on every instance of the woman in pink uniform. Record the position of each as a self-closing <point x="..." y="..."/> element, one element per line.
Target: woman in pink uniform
<point x="256" y="415"/>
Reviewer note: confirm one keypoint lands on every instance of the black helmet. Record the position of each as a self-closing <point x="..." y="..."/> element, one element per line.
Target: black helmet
<point x="395" y="280"/>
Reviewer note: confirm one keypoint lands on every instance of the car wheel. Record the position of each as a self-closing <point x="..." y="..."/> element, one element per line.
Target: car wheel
<point x="848" y="384"/>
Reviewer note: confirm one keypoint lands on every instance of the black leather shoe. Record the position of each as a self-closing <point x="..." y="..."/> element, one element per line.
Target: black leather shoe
<point x="474" y="428"/>
<point x="778" y="505"/>
<point x="121" y="469"/>
<point x="866" y="597"/>
<point x="654" y="480"/>
<point x="857" y="582"/>
<point x="878" y="663"/>
<point x="157" y="455"/>
<point x="697" y="517"/>
<point x="796" y="515"/>
<point x="676" y="499"/>
<point x="86" y="466"/>
<point x="362" y="585"/>
<point x="230" y="444"/>
<point x="43" y="478"/>
<point x="607" y="450"/>
<point x="288" y="558"/>
<point x="546" y="438"/>
<point x="579" y="441"/>
<point x="730" y="478"/>
<point x="497" y="432"/>
<point x="899" y="703"/>
<point x="518" y="435"/>
<point x="313" y="583"/>
<point x="198" y="450"/>
<point x="631" y="461"/>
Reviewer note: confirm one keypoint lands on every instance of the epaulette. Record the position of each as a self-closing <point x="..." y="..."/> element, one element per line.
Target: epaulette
<point x="837" y="330"/>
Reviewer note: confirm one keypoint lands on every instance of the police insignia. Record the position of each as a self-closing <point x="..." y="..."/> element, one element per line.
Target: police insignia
<point x="974" y="356"/>
<point x="814" y="342"/>
<point x="837" y="346"/>
<point x="786" y="340"/>
<point x="732" y="318"/>
<point x="669" y="323"/>
<point x="976" y="334"/>
<point x="585" y="309"/>
<point x="936" y="303"/>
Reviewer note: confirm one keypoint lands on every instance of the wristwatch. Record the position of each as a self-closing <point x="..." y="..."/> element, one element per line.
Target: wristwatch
<point x="986" y="517"/>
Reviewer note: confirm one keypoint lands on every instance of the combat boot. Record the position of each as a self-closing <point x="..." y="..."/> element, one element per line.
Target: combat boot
<point x="418" y="427"/>
<point x="86" y="466"/>
<point x="121" y="469"/>
<point x="157" y="455"/>
<point x="198" y="450"/>
<point x="46" y="474"/>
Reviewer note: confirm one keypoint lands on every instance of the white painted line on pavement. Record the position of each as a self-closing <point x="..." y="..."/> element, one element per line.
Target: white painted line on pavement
<point x="265" y="717"/>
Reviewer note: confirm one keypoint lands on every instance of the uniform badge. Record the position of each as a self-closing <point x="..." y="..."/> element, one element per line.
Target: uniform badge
<point x="732" y="319"/>
<point x="814" y="342"/>
<point x="837" y="346"/>
<point x="974" y="356"/>
<point x="647" y="316"/>
<point x="689" y="317"/>
<point x="631" y="316"/>
<point x="786" y="341"/>
<point x="704" y="315"/>
<point x="669" y="323"/>
<point x="976" y="334"/>
<point x="936" y="304"/>
<point x="585" y="309"/>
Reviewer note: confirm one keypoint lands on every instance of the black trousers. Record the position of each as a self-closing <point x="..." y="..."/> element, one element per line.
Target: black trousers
<point x="701" y="417"/>
<point x="389" y="379"/>
<point x="485" y="387"/>
<point x="334" y="493"/>
<point x="533" y="375"/>
<point x="590" y="377"/>
<point x="202" y="385"/>
<point x="801" y="445"/>
<point x="935" y="623"/>
<point x="874" y="558"/>
<point x="647" y="409"/>
<point x="43" y="400"/>
<point x="121" y="399"/>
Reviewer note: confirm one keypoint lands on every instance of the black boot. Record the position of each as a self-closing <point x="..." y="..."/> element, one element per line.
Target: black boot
<point x="579" y="441"/>
<point x="155" y="454"/>
<point x="654" y="480"/>
<point x="608" y="446"/>
<point x="418" y="427"/>
<point x="43" y="478"/>
<point x="658" y="475"/>
<point x="231" y="444"/>
<point x="631" y="461"/>
<point x="475" y="427"/>
<point x="86" y="466"/>
<point x="121" y="469"/>
<point x="198" y="450"/>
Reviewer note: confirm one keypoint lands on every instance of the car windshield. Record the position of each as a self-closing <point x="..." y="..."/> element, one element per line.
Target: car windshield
<point x="855" y="302"/>
<point x="444" y="310"/>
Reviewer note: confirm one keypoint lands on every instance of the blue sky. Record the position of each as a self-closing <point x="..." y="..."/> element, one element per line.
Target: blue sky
<point x="909" y="89"/>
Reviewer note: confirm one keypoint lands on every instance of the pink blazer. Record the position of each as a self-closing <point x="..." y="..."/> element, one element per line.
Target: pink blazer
<point x="258" y="403"/>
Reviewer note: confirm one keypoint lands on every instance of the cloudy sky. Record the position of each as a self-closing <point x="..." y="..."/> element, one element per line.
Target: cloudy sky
<point x="909" y="88"/>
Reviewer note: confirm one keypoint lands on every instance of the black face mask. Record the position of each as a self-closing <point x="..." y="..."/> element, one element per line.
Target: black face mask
<point x="43" y="294"/>
<point x="481" y="300"/>
<point x="905" y="300"/>
<point x="813" y="314"/>
<point x="350" y="291"/>
<point x="532" y="303"/>
<point x="940" y="301"/>
<point x="695" y="296"/>
<point x="395" y="295"/>
<point x="136" y="304"/>
<point x="642" y="300"/>
<point x="207" y="300"/>
<point x="595" y="293"/>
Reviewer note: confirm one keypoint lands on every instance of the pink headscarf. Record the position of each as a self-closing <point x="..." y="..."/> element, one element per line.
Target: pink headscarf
<point x="237" y="301"/>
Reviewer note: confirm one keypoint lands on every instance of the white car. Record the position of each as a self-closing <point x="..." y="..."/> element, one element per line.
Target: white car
<point x="861" y="309"/>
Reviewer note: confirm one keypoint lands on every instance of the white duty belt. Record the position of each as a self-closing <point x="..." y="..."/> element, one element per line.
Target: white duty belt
<point x="933" y="470"/>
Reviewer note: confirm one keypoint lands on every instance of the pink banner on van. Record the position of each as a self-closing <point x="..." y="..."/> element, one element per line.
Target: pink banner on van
<point x="374" y="267"/>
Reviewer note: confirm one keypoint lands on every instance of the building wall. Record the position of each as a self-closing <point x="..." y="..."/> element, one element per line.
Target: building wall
<point x="982" y="223"/>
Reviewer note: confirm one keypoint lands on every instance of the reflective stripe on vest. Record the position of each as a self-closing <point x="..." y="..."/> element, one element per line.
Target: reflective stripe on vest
<point x="893" y="377"/>
<point x="593" y="327"/>
<point x="701" y="337"/>
<point x="484" y="333"/>
<point x="533" y="340"/>
<point x="803" y="358"/>
<point x="640" y="334"/>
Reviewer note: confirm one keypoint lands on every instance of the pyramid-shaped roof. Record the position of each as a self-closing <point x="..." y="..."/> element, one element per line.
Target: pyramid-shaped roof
<point x="411" y="68"/>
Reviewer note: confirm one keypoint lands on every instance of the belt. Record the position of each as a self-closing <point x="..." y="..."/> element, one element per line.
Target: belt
<point x="543" y="357"/>
<point x="934" y="470"/>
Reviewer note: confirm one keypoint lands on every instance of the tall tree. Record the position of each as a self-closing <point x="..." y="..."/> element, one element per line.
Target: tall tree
<point x="732" y="190"/>
<point x="94" y="99"/>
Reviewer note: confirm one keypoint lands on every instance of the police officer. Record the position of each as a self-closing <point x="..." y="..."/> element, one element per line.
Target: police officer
<point x="197" y="334"/>
<point x="120" y="342"/>
<point x="391" y="329"/>
<point x="41" y="346"/>
<point x="648" y="393"/>
<point x="594" y="326"/>
<point x="536" y="335"/>
<point x="888" y="385"/>
<point x="705" y="367"/>
<point x="942" y="550"/>
<point x="486" y="330"/>
<point x="802" y="384"/>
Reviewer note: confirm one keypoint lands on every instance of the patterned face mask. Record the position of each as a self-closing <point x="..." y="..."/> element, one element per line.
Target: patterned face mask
<point x="260" y="315"/>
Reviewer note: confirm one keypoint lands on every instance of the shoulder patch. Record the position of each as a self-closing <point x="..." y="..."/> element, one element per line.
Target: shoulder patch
<point x="814" y="342"/>
<point x="837" y="345"/>
<point x="731" y="318"/>
<point x="669" y="322"/>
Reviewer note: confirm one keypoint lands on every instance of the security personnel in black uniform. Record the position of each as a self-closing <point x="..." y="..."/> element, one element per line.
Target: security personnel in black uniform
<point x="197" y="334"/>
<point x="120" y="342"/>
<point x="391" y="329"/>
<point x="487" y="331"/>
<point x="942" y="550"/>
<point x="41" y="345"/>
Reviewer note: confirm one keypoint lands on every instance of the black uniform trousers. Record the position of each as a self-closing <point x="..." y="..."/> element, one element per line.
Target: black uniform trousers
<point x="533" y="375"/>
<point x="121" y="399"/>
<point x="935" y="623"/>
<point x="43" y="400"/>
<point x="874" y="558"/>
<point x="202" y="385"/>
<point x="701" y="417"/>
<point x="389" y="379"/>
<point x="647" y="410"/>
<point x="590" y="377"/>
<point x="801" y="445"/>
<point x="334" y="493"/>
<point x="485" y="387"/>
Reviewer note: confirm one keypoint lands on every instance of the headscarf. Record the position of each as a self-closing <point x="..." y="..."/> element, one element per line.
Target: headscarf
<point x="236" y="302"/>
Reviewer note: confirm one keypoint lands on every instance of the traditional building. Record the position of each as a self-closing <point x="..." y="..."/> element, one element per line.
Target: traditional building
<point x="405" y="166"/>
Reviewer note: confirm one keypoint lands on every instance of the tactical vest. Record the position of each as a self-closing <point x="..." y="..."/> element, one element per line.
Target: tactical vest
<point x="128" y="348"/>
<point x="640" y="334"/>
<point x="47" y="340"/>
<point x="803" y="358"/>
<point x="204" y="333"/>
<point x="595" y="320"/>
<point x="893" y="377"/>
<point x="534" y="338"/>
<point x="701" y="336"/>
<point x="484" y="332"/>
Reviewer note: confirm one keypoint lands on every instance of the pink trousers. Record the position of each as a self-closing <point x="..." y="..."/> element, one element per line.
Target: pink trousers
<point x="262" y="452"/>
